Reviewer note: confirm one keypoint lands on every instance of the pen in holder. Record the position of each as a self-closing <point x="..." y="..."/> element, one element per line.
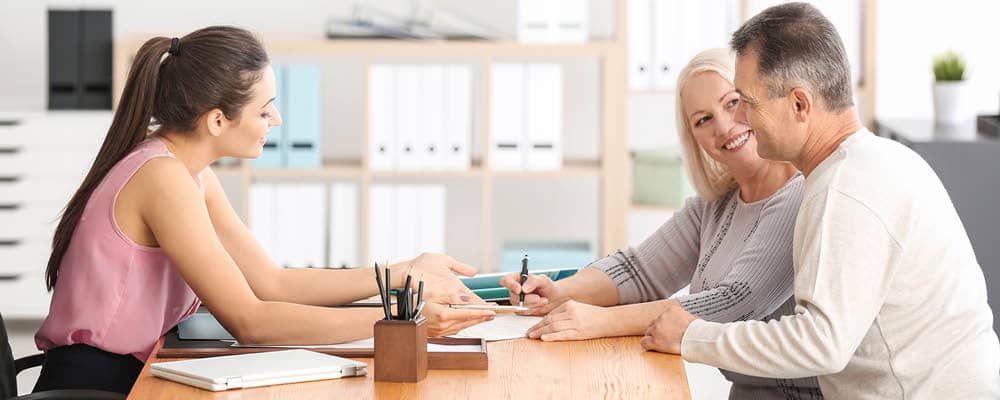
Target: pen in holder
<point x="400" y="350"/>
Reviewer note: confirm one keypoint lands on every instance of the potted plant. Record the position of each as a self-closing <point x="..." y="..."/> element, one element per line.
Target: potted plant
<point x="949" y="89"/>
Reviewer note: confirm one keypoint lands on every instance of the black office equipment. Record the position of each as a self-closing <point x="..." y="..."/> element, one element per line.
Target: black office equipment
<point x="79" y="59"/>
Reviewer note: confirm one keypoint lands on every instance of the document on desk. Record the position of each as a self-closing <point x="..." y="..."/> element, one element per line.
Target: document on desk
<point x="503" y="327"/>
<point x="369" y="343"/>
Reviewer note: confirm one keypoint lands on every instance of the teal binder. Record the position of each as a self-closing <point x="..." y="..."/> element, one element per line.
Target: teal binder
<point x="302" y="116"/>
<point x="271" y="157"/>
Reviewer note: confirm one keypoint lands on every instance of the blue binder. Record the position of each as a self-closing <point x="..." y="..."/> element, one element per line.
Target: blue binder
<point x="271" y="157"/>
<point x="302" y="116"/>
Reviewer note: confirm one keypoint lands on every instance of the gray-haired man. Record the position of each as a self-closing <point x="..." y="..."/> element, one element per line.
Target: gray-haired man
<point x="890" y="300"/>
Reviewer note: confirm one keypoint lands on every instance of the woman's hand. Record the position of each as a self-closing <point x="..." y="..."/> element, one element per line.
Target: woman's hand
<point x="444" y="321"/>
<point x="541" y="294"/>
<point x="440" y="283"/>
<point x="667" y="331"/>
<point x="574" y="321"/>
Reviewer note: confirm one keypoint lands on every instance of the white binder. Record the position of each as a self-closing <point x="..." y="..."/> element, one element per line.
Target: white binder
<point x="666" y="43"/>
<point x="432" y="129"/>
<point x="407" y="222"/>
<point x="640" y="47"/>
<point x="458" y="116"/>
<point x="343" y="225"/>
<point x="507" y="116"/>
<point x="382" y="223"/>
<point x="262" y="214"/>
<point x="381" y="117"/>
<point x="432" y="206"/>
<point x="408" y="117"/>
<point x="257" y="369"/>
<point x="544" y="100"/>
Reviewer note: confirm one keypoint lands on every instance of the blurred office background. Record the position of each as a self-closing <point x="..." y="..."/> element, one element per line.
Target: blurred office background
<point x="482" y="129"/>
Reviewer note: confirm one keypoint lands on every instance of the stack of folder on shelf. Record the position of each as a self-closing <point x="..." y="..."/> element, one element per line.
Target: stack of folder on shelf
<point x="297" y="142"/>
<point x="406" y="220"/>
<point x="553" y="21"/>
<point x="526" y="116"/>
<point x="419" y="116"/>
<point x="290" y="221"/>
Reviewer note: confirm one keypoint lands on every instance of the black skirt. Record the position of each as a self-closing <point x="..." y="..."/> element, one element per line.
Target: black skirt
<point x="80" y="366"/>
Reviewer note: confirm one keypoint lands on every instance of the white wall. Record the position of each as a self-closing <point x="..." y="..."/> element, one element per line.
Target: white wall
<point x="23" y="32"/>
<point x="909" y="35"/>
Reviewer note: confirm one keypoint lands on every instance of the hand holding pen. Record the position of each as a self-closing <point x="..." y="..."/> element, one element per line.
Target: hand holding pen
<point x="541" y="295"/>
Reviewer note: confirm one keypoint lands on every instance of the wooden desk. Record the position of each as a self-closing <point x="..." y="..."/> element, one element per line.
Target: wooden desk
<point x="519" y="369"/>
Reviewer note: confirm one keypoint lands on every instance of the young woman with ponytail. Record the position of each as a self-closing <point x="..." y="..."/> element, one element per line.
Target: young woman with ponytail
<point x="150" y="234"/>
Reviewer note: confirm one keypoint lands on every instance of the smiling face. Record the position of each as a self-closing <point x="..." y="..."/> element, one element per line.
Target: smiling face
<point x="780" y="136"/>
<point x="710" y="102"/>
<point x="245" y="136"/>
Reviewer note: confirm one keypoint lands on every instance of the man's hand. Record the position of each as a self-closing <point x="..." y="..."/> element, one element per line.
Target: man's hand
<point x="665" y="334"/>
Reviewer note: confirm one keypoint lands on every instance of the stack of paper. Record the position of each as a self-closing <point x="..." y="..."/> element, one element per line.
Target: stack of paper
<point x="503" y="327"/>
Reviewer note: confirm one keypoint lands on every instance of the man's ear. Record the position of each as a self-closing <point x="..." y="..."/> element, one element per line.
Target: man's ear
<point x="802" y="103"/>
<point x="215" y="121"/>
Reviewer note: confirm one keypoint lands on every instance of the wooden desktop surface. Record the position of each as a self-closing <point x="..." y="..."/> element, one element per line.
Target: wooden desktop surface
<point x="519" y="369"/>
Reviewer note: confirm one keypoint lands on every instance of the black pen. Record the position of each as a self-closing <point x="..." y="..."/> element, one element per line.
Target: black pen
<point x="388" y="290"/>
<point x="524" y="278"/>
<point x="420" y="293"/>
<point x="381" y="292"/>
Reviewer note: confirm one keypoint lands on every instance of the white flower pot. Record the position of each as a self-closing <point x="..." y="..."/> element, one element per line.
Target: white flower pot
<point x="950" y="103"/>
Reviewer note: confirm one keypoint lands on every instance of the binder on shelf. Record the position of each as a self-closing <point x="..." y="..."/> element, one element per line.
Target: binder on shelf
<point x="432" y="117"/>
<point x="458" y="120"/>
<point x="302" y="116"/>
<point x="381" y="223"/>
<point x="262" y="213"/>
<point x="640" y="47"/>
<point x="343" y="225"/>
<point x="432" y="206"/>
<point x="381" y="117"/>
<point x="544" y="100"/>
<point x="666" y="43"/>
<point x="507" y="116"/>
<point x="552" y="21"/>
<point x="408" y="84"/>
<point x="271" y="156"/>
<point x="300" y="233"/>
<point x="407" y="221"/>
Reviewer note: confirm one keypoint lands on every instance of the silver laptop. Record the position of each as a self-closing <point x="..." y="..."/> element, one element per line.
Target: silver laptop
<point x="258" y="369"/>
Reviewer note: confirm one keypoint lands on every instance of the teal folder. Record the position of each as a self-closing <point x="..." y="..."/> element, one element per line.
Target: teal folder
<point x="303" y="116"/>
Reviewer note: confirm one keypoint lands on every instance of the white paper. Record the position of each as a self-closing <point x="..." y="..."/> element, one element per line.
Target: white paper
<point x="503" y="327"/>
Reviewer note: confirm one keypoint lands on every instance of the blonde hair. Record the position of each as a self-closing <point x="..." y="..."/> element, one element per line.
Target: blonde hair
<point x="710" y="179"/>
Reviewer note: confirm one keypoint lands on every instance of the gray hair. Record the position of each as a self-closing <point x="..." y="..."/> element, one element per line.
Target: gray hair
<point x="797" y="46"/>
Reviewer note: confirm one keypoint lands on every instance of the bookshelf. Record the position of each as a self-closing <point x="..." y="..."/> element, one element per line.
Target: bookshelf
<point x="609" y="167"/>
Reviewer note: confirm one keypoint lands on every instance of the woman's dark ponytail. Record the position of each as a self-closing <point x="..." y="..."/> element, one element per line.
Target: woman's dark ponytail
<point x="213" y="67"/>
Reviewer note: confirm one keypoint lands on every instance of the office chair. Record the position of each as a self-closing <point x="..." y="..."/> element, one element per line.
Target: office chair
<point x="9" y="368"/>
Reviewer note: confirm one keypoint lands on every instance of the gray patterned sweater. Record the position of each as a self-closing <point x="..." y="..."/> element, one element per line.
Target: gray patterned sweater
<point x="737" y="258"/>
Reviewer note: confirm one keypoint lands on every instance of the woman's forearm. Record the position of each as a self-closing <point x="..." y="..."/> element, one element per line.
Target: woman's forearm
<point x="270" y="322"/>
<point x="589" y="285"/>
<point x="325" y="287"/>
<point x="636" y="318"/>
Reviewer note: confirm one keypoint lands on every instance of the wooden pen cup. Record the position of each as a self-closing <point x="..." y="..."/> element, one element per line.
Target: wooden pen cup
<point x="400" y="350"/>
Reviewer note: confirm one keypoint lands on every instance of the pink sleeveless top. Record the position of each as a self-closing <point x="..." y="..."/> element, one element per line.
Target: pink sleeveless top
<point x="113" y="293"/>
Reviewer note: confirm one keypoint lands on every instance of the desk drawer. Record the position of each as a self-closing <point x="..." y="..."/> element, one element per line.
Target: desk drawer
<point x="18" y="221"/>
<point x="24" y="295"/>
<point x="49" y="191"/>
<point x="20" y="162"/>
<point x="19" y="256"/>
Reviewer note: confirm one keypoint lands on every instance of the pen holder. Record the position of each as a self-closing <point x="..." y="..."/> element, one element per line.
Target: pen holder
<point x="400" y="350"/>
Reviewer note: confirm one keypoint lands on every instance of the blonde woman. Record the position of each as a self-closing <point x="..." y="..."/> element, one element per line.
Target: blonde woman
<point x="731" y="243"/>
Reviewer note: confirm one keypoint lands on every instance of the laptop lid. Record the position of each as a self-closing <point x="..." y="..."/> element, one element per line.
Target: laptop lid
<point x="258" y="369"/>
